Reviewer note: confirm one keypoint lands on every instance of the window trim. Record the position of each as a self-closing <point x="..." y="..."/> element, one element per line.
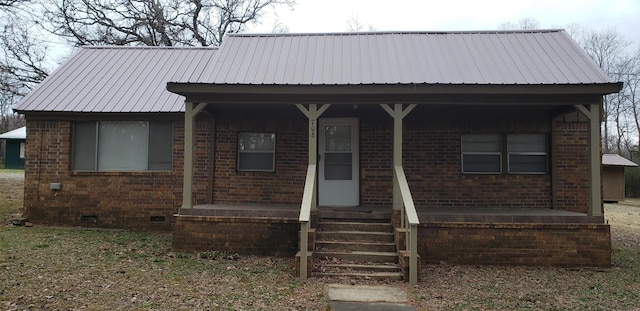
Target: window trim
<point x="271" y="152"/>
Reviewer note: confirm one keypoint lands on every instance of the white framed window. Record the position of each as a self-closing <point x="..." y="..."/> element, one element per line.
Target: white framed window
<point x="527" y="153"/>
<point x="256" y="152"/>
<point x="122" y="145"/>
<point x="22" y="150"/>
<point x="481" y="153"/>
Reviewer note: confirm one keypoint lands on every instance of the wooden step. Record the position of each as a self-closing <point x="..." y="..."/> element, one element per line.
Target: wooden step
<point x="354" y="236"/>
<point x="355" y="226"/>
<point x="394" y="276"/>
<point x="347" y="267"/>
<point x="345" y="246"/>
<point x="358" y="256"/>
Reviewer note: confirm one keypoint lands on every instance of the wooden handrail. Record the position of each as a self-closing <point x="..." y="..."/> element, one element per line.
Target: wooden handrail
<point x="307" y="196"/>
<point x="407" y="199"/>
<point x="305" y="217"/>
<point x="410" y="222"/>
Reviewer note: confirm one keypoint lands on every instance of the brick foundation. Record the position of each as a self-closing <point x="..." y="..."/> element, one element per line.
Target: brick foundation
<point x="243" y="235"/>
<point x="516" y="244"/>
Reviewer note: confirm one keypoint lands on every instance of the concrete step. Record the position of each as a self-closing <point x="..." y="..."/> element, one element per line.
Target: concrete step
<point x="355" y="226"/>
<point x="346" y="246"/>
<point x="354" y="236"/>
<point x="394" y="276"/>
<point x="358" y="256"/>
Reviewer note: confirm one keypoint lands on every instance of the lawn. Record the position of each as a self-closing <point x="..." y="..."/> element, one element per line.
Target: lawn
<point x="47" y="268"/>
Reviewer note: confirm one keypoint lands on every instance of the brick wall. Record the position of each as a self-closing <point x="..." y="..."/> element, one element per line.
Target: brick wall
<point x="571" y="166"/>
<point x="515" y="244"/>
<point x="244" y="235"/>
<point x="115" y="199"/>
<point x="284" y="185"/>
<point x="433" y="167"/>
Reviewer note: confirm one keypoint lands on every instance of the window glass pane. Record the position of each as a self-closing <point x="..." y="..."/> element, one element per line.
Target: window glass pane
<point x="338" y="166"/>
<point x="253" y="161"/>
<point x="122" y="145"/>
<point x="481" y="143"/>
<point x="527" y="143"/>
<point x="481" y="163"/>
<point x="257" y="141"/>
<point x="337" y="138"/>
<point x="160" y="145"/>
<point x="527" y="163"/>
<point x="22" y="150"/>
<point x="83" y="151"/>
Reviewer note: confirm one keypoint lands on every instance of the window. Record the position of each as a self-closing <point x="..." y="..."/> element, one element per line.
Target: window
<point x="22" y="149"/>
<point x="122" y="146"/>
<point x="256" y="151"/>
<point x="527" y="153"/>
<point x="481" y="154"/>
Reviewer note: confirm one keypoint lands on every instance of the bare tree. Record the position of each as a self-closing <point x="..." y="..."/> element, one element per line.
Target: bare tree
<point x="154" y="22"/>
<point x="22" y="55"/>
<point x="524" y="24"/>
<point x="355" y="25"/>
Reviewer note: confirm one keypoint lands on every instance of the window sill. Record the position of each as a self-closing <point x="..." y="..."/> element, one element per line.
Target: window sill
<point x="120" y="173"/>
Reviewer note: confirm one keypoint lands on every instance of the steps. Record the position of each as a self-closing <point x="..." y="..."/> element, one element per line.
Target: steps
<point x="356" y="249"/>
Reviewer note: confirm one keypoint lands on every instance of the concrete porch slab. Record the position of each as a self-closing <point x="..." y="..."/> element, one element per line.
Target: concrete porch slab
<point x="365" y="293"/>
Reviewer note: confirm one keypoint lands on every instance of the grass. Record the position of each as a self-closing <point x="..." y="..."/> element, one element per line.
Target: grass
<point x="70" y="269"/>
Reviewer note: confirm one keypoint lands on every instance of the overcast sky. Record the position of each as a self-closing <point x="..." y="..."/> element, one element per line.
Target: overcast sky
<point x="333" y="15"/>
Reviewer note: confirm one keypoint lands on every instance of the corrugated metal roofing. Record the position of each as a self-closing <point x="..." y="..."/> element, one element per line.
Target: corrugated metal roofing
<point x="506" y="57"/>
<point x="19" y="133"/>
<point x="134" y="79"/>
<point x="616" y="160"/>
<point x="117" y="79"/>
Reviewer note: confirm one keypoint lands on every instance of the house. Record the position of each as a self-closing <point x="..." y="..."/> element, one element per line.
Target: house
<point x="613" y="184"/>
<point x="478" y="147"/>
<point x="14" y="148"/>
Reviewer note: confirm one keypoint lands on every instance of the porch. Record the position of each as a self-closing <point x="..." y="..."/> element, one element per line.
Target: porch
<point x="459" y="235"/>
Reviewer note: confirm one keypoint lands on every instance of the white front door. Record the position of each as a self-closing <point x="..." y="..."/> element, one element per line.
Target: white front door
<point x="338" y="177"/>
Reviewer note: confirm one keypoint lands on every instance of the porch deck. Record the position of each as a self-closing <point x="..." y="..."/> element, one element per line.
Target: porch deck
<point x="426" y="215"/>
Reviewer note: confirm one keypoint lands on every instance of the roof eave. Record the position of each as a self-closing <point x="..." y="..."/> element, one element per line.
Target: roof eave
<point x="189" y="89"/>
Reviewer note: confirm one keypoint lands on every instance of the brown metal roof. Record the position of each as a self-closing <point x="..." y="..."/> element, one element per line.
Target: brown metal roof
<point x="117" y="79"/>
<point x="135" y="79"/>
<point x="490" y="58"/>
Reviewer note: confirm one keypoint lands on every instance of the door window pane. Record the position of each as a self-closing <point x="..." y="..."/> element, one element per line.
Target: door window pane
<point x="338" y="166"/>
<point x="337" y="138"/>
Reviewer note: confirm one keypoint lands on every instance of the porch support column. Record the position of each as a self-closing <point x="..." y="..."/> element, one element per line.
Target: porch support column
<point x="313" y="113"/>
<point x="190" y="112"/>
<point x="595" y="159"/>
<point x="397" y="113"/>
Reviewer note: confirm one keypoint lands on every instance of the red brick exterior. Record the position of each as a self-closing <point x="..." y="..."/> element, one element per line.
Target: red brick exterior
<point x="515" y="244"/>
<point x="571" y="162"/>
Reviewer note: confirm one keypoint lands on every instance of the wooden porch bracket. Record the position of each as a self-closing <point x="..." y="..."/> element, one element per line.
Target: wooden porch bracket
<point x="595" y="158"/>
<point x="190" y="112"/>
<point x="398" y="112"/>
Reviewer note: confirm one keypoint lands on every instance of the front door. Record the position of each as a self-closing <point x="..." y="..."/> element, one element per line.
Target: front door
<point x="338" y="177"/>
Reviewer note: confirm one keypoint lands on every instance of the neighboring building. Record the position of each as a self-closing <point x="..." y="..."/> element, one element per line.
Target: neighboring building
<point x="497" y="134"/>
<point x="14" y="148"/>
<point x="613" y="177"/>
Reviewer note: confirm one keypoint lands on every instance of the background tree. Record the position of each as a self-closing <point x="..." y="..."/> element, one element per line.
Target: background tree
<point x="21" y="60"/>
<point x="153" y="22"/>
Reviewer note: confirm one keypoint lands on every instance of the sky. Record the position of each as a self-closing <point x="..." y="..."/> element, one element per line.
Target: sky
<point x="446" y="15"/>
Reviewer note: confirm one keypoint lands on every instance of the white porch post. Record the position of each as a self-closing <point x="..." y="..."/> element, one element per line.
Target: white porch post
<point x="190" y="113"/>
<point x="595" y="159"/>
<point x="397" y="113"/>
